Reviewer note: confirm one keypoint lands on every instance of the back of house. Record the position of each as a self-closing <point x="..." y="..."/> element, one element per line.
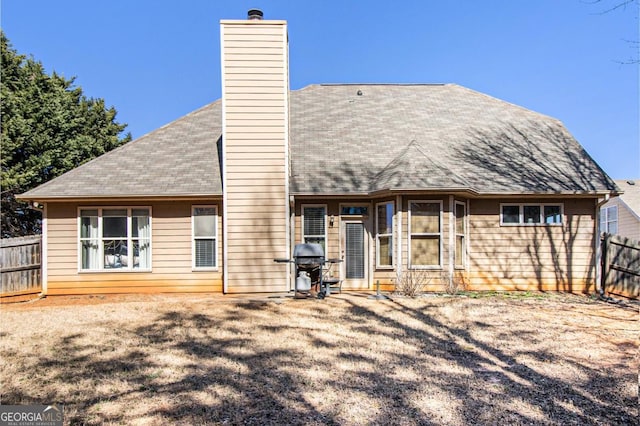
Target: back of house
<point x="390" y="178"/>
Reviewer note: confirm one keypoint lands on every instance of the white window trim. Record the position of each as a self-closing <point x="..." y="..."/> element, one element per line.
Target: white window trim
<point x="456" y="234"/>
<point x="193" y="238"/>
<point x="326" y="225"/>
<point x="101" y="269"/>
<point x="439" y="234"/>
<point x="521" y="214"/>
<point x="378" y="235"/>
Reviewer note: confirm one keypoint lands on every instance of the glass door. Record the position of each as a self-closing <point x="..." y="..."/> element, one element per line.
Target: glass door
<point x="354" y="254"/>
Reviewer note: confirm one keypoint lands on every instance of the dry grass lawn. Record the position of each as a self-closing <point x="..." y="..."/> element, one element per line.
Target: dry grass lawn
<point x="549" y="359"/>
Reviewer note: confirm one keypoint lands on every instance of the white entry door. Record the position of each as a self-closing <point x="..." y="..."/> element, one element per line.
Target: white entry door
<point x="354" y="253"/>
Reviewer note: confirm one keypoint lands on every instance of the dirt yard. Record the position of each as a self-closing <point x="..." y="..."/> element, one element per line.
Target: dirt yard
<point x="519" y="359"/>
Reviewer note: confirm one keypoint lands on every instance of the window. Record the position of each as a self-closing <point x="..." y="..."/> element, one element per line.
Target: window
<point x="531" y="214"/>
<point x="115" y="239"/>
<point x="354" y="211"/>
<point x="384" y="234"/>
<point x="425" y="239"/>
<point x="510" y="214"/>
<point x="460" y="231"/>
<point x="314" y="225"/>
<point x="552" y="215"/>
<point x="205" y="232"/>
<point x="609" y="219"/>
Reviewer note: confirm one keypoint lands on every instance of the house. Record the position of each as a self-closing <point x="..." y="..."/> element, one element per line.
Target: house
<point x="621" y="215"/>
<point x="388" y="177"/>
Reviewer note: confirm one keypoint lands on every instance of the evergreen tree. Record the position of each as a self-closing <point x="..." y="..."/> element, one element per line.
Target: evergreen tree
<point x="48" y="128"/>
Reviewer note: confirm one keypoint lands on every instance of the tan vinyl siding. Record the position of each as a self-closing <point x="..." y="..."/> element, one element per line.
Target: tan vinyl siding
<point x="171" y="247"/>
<point x="628" y="223"/>
<point x="558" y="258"/>
<point x="255" y="128"/>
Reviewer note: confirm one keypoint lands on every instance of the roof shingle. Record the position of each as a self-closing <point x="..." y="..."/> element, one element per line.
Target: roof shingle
<point x="359" y="139"/>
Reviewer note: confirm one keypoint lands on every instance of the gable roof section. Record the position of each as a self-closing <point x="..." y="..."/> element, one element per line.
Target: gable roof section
<point x="359" y="139"/>
<point x="179" y="159"/>
<point x="412" y="168"/>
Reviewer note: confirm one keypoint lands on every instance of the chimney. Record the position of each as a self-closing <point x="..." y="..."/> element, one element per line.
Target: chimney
<point x="255" y="146"/>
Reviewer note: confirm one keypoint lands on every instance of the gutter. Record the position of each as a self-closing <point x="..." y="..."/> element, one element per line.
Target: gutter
<point x="598" y="248"/>
<point x="101" y="198"/>
<point x="471" y="193"/>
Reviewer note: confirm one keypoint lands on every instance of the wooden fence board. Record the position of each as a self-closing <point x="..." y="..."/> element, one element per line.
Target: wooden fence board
<point x="20" y="265"/>
<point x="620" y="265"/>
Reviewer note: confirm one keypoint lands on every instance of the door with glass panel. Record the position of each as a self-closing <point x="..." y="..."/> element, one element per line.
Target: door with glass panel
<point x="354" y="254"/>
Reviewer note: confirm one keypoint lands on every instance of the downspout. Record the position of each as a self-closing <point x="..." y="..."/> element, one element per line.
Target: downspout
<point x="292" y="242"/>
<point x="598" y="248"/>
<point x="44" y="252"/>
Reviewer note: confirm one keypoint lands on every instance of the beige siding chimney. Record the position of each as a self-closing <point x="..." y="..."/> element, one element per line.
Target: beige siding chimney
<point x="255" y="140"/>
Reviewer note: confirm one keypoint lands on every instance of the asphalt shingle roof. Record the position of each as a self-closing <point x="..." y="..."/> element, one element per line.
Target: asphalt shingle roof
<point x="360" y="139"/>
<point x="345" y="138"/>
<point x="179" y="159"/>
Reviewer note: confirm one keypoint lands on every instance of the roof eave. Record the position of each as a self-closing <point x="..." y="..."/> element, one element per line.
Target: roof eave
<point x="470" y="191"/>
<point x="132" y="197"/>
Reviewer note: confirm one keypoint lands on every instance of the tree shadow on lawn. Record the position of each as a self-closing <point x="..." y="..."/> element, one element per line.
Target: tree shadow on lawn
<point x="232" y="369"/>
<point x="506" y="380"/>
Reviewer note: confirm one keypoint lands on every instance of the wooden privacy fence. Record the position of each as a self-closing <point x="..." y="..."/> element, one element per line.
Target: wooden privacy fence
<point x="620" y="265"/>
<point x="20" y="267"/>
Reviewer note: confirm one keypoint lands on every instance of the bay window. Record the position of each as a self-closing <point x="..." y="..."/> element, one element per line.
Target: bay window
<point x="425" y="234"/>
<point x="384" y="235"/>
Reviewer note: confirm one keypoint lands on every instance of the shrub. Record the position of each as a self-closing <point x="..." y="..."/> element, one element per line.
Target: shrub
<point x="411" y="282"/>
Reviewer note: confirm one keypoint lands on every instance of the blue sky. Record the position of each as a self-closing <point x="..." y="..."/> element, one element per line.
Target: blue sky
<point x="155" y="61"/>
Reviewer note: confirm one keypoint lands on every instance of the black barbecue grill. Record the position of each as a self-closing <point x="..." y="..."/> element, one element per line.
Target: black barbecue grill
<point x="310" y="262"/>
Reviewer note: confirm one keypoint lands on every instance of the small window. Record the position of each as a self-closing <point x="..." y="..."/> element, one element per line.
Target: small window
<point x="354" y="211"/>
<point x="314" y="220"/>
<point x="384" y="234"/>
<point x="531" y="214"/>
<point x="205" y="229"/>
<point x="510" y="214"/>
<point x="552" y="215"/>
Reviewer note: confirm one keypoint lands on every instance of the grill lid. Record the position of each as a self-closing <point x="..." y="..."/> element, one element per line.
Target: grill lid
<point x="308" y="250"/>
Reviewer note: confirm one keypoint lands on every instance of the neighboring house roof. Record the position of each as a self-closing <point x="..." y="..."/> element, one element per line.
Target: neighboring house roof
<point x="360" y="138"/>
<point x="631" y="195"/>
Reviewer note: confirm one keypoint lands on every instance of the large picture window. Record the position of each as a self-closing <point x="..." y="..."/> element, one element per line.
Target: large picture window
<point x="115" y="238"/>
<point x="205" y="231"/>
<point x="425" y="234"/>
<point x="314" y="220"/>
<point x="384" y="234"/>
